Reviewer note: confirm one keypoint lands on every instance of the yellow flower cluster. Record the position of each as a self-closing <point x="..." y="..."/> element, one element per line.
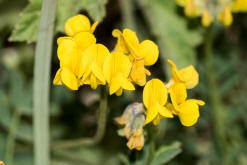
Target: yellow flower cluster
<point x="83" y="61"/>
<point x="155" y="96"/>
<point x="209" y="10"/>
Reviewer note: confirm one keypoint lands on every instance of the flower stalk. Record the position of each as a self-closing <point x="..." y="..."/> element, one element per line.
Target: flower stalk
<point x="100" y="132"/>
<point x="217" y="112"/>
<point x="42" y="66"/>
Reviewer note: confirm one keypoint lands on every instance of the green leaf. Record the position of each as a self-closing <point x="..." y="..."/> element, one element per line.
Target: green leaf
<point x="166" y="153"/>
<point x="27" y="28"/>
<point x="66" y="9"/>
<point x="176" y="41"/>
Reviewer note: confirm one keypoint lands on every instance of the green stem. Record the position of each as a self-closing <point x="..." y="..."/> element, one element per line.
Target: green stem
<point x="41" y="82"/>
<point x="10" y="146"/>
<point x="217" y="111"/>
<point x="100" y="132"/>
<point x="151" y="138"/>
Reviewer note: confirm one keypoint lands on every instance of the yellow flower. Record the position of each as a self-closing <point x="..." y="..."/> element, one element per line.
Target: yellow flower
<point x="226" y="16"/>
<point x="93" y="60"/>
<point x="190" y="9"/>
<point x="116" y="70"/>
<point x="141" y="54"/>
<point x="154" y="98"/>
<point x="1" y="163"/>
<point x="206" y="18"/>
<point x="189" y="76"/>
<point x="138" y="72"/>
<point x="79" y="23"/>
<point x="70" y="52"/>
<point x="187" y="110"/>
<point x="239" y="6"/>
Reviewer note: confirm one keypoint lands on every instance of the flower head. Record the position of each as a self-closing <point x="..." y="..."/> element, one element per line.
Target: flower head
<point x="116" y="70"/>
<point x="92" y="64"/>
<point x="187" y="110"/>
<point x="154" y="98"/>
<point x="225" y="16"/>
<point x="70" y="53"/>
<point x="206" y="18"/>
<point x="189" y="76"/>
<point x="141" y="54"/>
<point x="79" y="23"/>
<point x="190" y="9"/>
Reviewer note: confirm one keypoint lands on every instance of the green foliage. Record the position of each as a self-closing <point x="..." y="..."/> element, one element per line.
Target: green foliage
<point x="27" y="28"/>
<point x="176" y="41"/>
<point x="166" y="153"/>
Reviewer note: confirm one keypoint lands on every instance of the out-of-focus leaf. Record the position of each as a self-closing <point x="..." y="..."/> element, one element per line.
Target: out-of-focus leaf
<point x="66" y="9"/>
<point x="20" y="94"/>
<point x="27" y="28"/>
<point x="166" y="153"/>
<point x="23" y="158"/>
<point x="3" y="142"/>
<point x="175" y="40"/>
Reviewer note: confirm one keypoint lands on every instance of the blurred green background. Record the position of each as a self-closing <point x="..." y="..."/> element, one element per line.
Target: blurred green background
<point x="220" y="135"/>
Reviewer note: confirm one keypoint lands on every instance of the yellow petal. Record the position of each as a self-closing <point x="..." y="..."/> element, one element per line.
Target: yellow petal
<point x="57" y="80"/>
<point x="190" y="9"/>
<point x="154" y="91"/>
<point x="188" y="75"/>
<point x="69" y="55"/>
<point x="164" y="112"/>
<point x="97" y="71"/>
<point x="93" y="60"/>
<point x="226" y="16"/>
<point x="178" y="94"/>
<point x="120" y="46"/>
<point x="199" y="102"/>
<point x="206" y="18"/>
<point x="66" y="48"/>
<point x="115" y="83"/>
<point x="149" y="51"/>
<point x="114" y="63"/>
<point x="126" y="84"/>
<point x="84" y="40"/>
<point x="239" y="6"/>
<point x="69" y="79"/>
<point x="171" y="108"/>
<point x="119" y="92"/>
<point x="151" y="113"/>
<point x="156" y="120"/>
<point x="93" y="82"/>
<point x="138" y="72"/>
<point x="131" y="42"/>
<point x="76" y="24"/>
<point x="94" y="27"/>
<point x="189" y="113"/>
